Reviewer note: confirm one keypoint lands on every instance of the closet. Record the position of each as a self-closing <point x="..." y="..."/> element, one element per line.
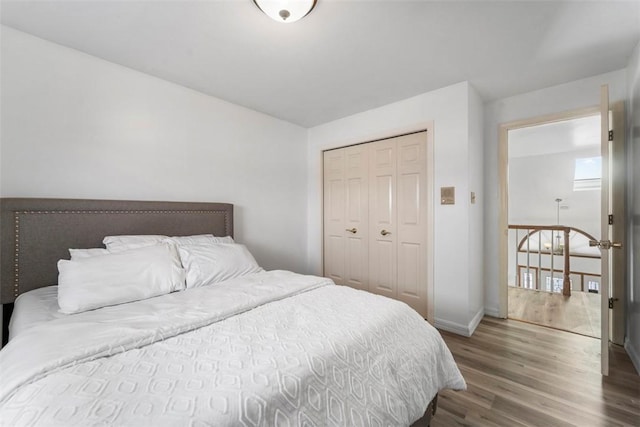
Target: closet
<point x="375" y="218"/>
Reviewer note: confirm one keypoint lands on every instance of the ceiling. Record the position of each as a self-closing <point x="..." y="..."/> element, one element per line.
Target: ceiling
<point x="346" y="56"/>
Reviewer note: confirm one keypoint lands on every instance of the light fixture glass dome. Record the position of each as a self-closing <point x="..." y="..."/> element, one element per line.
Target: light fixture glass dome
<point x="286" y="11"/>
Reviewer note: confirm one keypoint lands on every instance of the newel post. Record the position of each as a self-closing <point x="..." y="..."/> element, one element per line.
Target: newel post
<point x="566" y="282"/>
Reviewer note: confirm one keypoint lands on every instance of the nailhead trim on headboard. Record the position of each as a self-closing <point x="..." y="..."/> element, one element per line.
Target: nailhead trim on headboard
<point x="17" y="214"/>
<point x="16" y="270"/>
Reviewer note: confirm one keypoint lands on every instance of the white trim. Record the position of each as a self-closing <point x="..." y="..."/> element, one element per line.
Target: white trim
<point x="476" y="321"/>
<point x="492" y="311"/>
<point x="457" y="328"/>
<point x="633" y="354"/>
<point x="503" y="190"/>
<point x="431" y="182"/>
<point x="449" y="326"/>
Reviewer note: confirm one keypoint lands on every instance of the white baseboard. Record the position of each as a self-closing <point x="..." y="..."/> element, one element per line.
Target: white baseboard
<point x="492" y="311"/>
<point x="633" y="355"/>
<point x="454" y="327"/>
<point x="476" y="321"/>
<point x="458" y="328"/>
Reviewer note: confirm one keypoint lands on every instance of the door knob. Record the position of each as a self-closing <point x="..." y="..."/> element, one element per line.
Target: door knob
<point x="352" y="230"/>
<point x="605" y="244"/>
<point x="385" y="232"/>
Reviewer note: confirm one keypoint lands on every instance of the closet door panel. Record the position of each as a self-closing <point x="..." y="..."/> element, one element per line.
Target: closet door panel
<point x="409" y="269"/>
<point x="334" y="215"/>
<point x="382" y="218"/>
<point x="334" y="262"/>
<point x="382" y="269"/>
<point x="409" y="198"/>
<point x="354" y="200"/>
<point x="356" y="271"/>
<point x="356" y="228"/>
<point x="384" y="212"/>
<point x="412" y="221"/>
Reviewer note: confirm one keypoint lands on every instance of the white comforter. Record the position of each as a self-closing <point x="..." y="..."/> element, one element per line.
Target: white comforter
<point x="270" y="349"/>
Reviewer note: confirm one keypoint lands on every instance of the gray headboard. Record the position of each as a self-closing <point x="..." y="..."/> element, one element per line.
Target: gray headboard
<point x="36" y="233"/>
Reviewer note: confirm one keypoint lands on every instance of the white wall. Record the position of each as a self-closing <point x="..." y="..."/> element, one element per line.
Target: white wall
<point x="536" y="181"/>
<point x="569" y="96"/>
<point x="632" y="343"/>
<point x="76" y="126"/>
<point x="448" y="108"/>
<point x="476" y="211"/>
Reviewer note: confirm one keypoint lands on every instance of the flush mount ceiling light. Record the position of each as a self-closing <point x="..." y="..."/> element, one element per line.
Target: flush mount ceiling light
<point x="286" y="11"/>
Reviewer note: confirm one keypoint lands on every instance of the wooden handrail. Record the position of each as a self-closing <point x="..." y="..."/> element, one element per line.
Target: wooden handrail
<point x="537" y="227"/>
<point x="566" y="281"/>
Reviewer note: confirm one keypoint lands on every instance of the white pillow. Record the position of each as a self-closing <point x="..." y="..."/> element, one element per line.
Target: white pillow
<point x="123" y="243"/>
<point x="201" y="239"/>
<point x="209" y="264"/>
<point x="103" y="280"/>
<point x="77" y="254"/>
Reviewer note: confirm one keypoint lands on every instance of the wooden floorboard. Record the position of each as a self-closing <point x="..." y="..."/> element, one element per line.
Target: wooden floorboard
<point x="520" y="374"/>
<point x="578" y="313"/>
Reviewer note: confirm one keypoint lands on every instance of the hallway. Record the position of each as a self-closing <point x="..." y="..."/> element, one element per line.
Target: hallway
<point x="579" y="313"/>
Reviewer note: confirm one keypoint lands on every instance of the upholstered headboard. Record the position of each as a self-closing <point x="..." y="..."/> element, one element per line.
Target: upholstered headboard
<point x="36" y="233"/>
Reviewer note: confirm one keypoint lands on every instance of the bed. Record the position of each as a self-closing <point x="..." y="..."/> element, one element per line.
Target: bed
<point x="255" y="348"/>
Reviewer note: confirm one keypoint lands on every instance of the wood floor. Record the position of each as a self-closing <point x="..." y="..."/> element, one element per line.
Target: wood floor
<point x="519" y="374"/>
<point x="579" y="313"/>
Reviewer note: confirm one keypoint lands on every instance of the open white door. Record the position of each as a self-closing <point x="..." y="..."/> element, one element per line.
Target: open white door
<point x="618" y="230"/>
<point x="605" y="243"/>
<point x="604" y="230"/>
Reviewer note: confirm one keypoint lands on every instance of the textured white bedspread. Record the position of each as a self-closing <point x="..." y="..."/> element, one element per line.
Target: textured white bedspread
<point x="270" y="349"/>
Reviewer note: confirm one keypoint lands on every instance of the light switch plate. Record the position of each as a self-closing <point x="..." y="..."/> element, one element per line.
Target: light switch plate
<point x="447" y="195"/>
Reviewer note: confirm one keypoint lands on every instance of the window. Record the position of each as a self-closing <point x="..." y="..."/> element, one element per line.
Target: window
<point x="593" y="286"/>
<point x="588" y="174"/>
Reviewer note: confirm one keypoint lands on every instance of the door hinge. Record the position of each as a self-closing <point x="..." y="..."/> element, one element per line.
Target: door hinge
<point x="611" y="219"/>
<point x="611" y="300"/>
<point x="610" y="135"/>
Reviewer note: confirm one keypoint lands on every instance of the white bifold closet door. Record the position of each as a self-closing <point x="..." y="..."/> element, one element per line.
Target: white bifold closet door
<point x="375" y="199"/>
<point x="383" y="246"/>
<point x="346" y="216"/>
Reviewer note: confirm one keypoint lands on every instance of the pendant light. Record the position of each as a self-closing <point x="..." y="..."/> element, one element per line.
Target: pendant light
<point x="286" y="11"/>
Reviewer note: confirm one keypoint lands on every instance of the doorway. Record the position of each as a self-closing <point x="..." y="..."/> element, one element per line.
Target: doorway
<point x="554" y="183"/>
<point x="613" y="219"/>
